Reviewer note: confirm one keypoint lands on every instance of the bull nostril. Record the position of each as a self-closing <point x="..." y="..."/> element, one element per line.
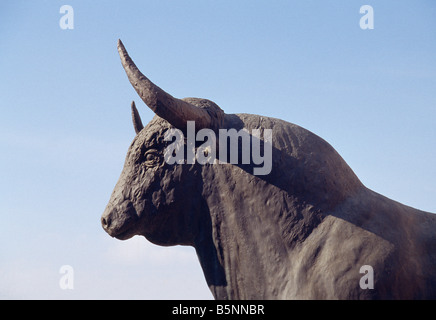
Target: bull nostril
<point x="104" y="222"/>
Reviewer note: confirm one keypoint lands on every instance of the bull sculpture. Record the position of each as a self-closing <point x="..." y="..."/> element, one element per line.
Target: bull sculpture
<point x="303" y="231"/>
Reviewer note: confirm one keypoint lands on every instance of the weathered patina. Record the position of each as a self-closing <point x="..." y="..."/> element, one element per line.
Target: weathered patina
<point x="303" y="231"/>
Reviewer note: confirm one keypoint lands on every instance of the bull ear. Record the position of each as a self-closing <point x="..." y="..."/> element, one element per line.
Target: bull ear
<point x="137" y="123"/>
<point x="175" y="111"/>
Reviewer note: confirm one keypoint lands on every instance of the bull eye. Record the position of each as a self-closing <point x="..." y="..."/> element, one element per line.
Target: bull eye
<point x="151" y="157"/>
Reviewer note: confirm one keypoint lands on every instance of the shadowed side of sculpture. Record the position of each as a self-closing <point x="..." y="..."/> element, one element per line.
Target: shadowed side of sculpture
<point x="301" y="231"/>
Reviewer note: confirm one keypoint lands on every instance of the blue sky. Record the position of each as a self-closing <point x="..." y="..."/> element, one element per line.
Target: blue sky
<point x="65" y="121"/>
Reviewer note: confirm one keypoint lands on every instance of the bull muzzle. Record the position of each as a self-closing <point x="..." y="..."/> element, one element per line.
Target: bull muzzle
<point x="120" y="221"/>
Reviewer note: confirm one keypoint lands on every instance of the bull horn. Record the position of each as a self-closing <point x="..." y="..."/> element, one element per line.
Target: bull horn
<point x="176" y="111"/>
<point x="137" y="123"/>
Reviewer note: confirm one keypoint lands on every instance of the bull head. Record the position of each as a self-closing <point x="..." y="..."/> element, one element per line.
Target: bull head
<point x="146" y="200"/>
